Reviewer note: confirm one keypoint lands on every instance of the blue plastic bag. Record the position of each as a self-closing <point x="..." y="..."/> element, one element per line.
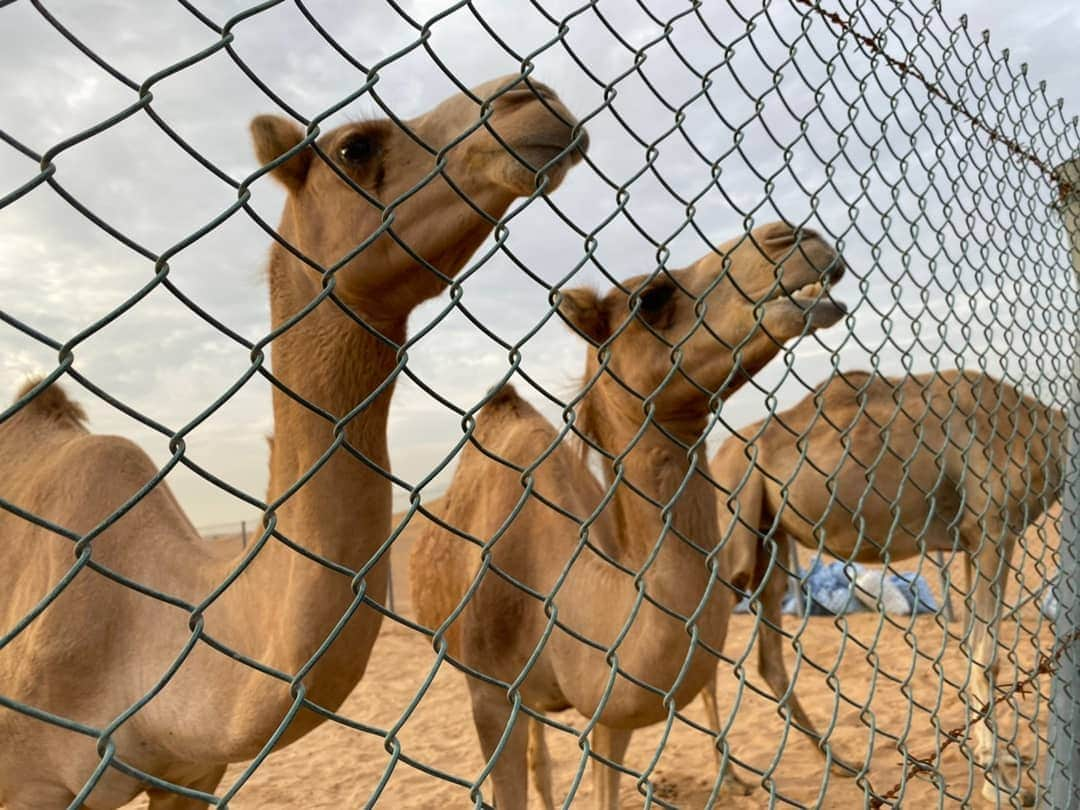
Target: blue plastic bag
<point x="828" y="591"/>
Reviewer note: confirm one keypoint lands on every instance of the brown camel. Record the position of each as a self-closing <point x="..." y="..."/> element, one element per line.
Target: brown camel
<point x="874" y="469"/>
<point x="99" y="647"/>
<point x="571" y="547"/>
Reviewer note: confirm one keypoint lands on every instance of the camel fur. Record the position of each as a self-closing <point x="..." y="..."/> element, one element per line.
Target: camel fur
<point x="875" y="469"/>
<point x="394" y="212"/>
<point x="620" y="566"/>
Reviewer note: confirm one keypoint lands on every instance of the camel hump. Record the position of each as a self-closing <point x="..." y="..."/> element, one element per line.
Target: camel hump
<point x="968" y="388"/>
<point x="506" y="398"/>
<point x="510" y="426"/>
<point x="851" y="380"/>
<point x="952" y="375"/>
<point x="50" y="403"/>
<point x="972" y="377"/>
<point x="845" y="387"/>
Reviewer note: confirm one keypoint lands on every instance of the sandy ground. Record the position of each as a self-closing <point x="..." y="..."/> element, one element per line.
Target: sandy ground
<point x="881" y="678"/>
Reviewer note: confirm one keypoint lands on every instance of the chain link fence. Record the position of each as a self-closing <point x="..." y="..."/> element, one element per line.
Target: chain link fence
<point x="725" y="354"/>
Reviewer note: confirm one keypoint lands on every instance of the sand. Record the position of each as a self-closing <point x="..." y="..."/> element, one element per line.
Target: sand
<point x="886" y="697"/>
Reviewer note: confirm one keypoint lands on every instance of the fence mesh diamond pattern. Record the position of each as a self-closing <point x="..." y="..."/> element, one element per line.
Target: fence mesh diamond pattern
<point x="799" y="530"/>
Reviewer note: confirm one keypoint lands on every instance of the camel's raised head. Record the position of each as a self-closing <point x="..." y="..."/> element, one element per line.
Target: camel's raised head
<point x="434" y="185"/>
<point x="528" y="134"/>
<point x="774" y="284"/>
<point x="720" y="320"/>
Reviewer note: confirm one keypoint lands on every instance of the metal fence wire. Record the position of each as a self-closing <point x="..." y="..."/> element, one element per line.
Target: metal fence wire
<point x="792" y="537"/>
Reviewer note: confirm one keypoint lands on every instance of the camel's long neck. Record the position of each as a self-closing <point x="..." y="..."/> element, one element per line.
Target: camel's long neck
<point x="662" y="494"/>
<point x="336" y="366"/>
<point x="339" y="507"/>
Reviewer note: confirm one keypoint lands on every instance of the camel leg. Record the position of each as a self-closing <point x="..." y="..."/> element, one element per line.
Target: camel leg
<point x="712" y="716"/>
<point x="206" y="782"/>
<point x="969" y="578"/>
<point x="610" y="743"/>
<point x="491" y="714"/>
<point x="540" y="764"/>
<point x="946" y="596"/>
<point x="731" y="781"/>
<point x="954" y="609"/>
<point x="774" y="671"/>
<point x="1002" y="773"/>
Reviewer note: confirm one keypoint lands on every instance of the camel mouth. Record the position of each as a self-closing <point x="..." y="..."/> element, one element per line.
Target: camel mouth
<point x="539" y="153"/>
<point x="817" y="296"/>
<point x="814" y="291"/>
<point x="813" y="297"/>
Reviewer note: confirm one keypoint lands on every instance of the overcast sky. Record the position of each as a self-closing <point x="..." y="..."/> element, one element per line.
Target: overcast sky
<point x="955" y="255"/>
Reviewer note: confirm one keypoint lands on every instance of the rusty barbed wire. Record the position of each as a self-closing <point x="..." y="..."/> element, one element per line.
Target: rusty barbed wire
<point x="906" y="68"/>
<point x="1046" y="665"/>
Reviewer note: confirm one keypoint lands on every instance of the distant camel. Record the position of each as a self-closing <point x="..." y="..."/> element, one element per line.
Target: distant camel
<point x="723" y="319"/>
<point x="874" y="469"/>
<point x="99" y="647"/>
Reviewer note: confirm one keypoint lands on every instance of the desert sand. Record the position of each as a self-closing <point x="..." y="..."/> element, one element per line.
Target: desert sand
<point x="875" y="680"/>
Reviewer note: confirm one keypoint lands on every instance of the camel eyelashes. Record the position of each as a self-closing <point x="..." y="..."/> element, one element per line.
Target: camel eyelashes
<point x="654" y="301"/>
<point x="357" y="149"/>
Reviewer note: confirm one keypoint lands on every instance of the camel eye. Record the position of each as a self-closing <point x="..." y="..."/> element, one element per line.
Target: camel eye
<point x="654" y="303"/>
<point x="357" y="150"/>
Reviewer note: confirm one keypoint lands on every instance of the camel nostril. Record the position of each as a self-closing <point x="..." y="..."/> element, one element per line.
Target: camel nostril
<point x="535" y="88"/>
<point x="583" y="141"/>
<point x="544" y="91"/>
<point x="525" y="93"/>
<point x="835" y="269"/>
<point x="777" y="235"/>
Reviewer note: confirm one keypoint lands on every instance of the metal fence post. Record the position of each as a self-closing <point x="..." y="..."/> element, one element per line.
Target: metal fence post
<point x="1063" y="769"/>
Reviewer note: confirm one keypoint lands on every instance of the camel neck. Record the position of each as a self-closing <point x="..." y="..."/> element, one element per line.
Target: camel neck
<point x="332" y="360"/>
<point x="661" y="476"/>
<point x="340" y="371"/>
<point x="327" y="494"/>
<point x="665" y="513"/>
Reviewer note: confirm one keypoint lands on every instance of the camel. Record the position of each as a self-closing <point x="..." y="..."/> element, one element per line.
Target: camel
<point x="549" y="537"/>
<point x="877" y="469"/>
<point x="99" y="647"/>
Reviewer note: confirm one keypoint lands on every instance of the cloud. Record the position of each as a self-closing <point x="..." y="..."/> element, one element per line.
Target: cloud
<point x="952" y="246"/>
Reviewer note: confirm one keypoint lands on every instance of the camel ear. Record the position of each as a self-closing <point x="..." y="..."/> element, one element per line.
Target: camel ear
<point x="583" y="309"/>
<point x="273" y="136"/>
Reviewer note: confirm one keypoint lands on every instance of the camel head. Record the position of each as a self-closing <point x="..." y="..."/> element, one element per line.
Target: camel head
<point x="718" y="321"/>
<point x="440" y="189"/>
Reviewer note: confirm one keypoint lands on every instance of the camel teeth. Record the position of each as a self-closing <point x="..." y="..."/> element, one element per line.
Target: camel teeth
<point x="811" y="291"/>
